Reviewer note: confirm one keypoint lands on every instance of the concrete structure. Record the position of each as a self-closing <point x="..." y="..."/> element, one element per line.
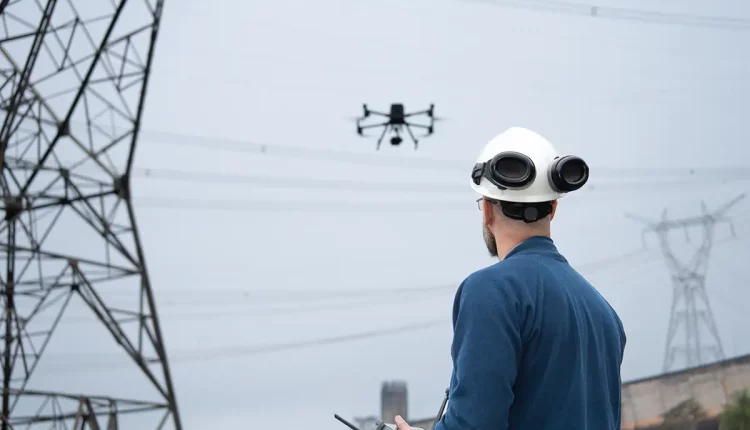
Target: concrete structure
<point x="394" y="400"/>
<point x="645" y="401"/>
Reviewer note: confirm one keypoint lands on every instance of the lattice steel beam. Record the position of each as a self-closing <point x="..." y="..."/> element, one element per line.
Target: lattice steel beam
<point x="691" y="308"/>
<point x="73" y="80"/>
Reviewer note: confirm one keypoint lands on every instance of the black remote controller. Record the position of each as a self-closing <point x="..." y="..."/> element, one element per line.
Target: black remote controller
<point x="379" y="425"/>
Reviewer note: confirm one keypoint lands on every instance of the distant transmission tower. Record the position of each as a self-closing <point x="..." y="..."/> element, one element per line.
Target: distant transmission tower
<point x="73" y="78"/>
<point x="691" y="310"/>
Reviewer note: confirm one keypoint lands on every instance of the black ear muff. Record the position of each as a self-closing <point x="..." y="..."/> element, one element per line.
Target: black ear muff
<point x="507" y="170"/>
<point x="568" y="174"/>
<point x="511" y="170"/>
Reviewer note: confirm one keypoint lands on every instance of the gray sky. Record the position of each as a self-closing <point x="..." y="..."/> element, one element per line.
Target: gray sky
<point x="621" y="94"/>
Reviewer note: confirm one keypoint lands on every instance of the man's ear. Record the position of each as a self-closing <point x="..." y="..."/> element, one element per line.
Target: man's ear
<point x="554" y="209"/>
<point x="489" y="212"/>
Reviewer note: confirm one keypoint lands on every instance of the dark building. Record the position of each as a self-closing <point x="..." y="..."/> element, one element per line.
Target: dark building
<point x="393" y="400"/>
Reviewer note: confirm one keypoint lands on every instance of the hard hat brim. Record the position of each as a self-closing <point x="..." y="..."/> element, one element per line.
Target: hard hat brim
<point x="516" y="196"/>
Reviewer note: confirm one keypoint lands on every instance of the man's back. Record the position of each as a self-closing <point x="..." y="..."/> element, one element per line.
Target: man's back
<point x="535" y="347"/>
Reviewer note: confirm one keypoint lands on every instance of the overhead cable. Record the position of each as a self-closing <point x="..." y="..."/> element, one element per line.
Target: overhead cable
<point x="229" y="309"/>
<point x="380" y="160"/>
<point x="301" y="206"/>
<point x="421" y="187"/>
<point x="239" y="297"/>
<point x="619" y="13"/>
<point x="318" y="206"/>
<point x="299" y="152"/>
<point x="297" y="183"/>
<point x="210" y="354"/>
<point x="350" y="298"/>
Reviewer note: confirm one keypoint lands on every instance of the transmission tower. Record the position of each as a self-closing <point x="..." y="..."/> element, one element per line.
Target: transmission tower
<point x="73" y="81"/>
<point x="690" y="310"/>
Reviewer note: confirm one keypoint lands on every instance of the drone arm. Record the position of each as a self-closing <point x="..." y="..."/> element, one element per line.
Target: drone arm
<point x="364" y="127"/>
<point x="421" y="112"/>
<point x="429" y="128"/>
<point x="374" y="112"/>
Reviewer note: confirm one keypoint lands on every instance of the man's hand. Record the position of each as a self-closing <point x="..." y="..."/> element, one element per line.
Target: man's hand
<point x="401" y="424"/>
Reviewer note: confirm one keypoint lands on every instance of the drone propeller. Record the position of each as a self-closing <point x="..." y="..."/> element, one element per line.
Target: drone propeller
<point x="361" y="131"/>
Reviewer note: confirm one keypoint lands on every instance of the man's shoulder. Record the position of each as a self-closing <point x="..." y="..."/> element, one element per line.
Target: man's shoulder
<point x="511" y="269"/>
<point x="507" y="276"/>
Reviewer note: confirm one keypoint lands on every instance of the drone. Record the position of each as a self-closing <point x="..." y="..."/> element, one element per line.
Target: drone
<point x="396" y="121"/>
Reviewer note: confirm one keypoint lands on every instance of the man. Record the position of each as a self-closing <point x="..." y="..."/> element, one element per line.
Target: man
<point x="535" y="346"/>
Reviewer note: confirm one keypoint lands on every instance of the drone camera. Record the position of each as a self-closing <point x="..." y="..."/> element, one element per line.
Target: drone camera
<point x="396" y="140"/>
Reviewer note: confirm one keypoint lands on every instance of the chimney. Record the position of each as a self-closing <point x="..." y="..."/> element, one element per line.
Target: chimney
<point x="393" y="400"/>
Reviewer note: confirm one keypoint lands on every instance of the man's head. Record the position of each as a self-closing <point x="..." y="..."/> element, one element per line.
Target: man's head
<point x="501" y="233"/>
<point x="520" y="178"/>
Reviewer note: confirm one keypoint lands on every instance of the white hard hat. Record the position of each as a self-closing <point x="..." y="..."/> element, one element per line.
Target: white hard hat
<point x="521" y="166"/>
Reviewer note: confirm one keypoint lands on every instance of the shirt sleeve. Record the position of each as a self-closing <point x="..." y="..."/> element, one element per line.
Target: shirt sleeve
<point x="486" y="353"/>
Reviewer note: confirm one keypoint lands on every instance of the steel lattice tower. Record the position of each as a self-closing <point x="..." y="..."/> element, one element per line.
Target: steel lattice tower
<point x="690" y="309"/>
<point x="73" y="81"/>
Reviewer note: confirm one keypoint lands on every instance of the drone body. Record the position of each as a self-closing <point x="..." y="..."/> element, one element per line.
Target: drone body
<point x="396" y="121"/>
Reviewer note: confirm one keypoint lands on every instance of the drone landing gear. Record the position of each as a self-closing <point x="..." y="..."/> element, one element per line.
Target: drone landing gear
<point x="416" y="141"/>
<point x="382" y="135"/>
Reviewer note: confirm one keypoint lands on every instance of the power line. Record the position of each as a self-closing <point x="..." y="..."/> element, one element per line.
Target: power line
<point x="298" y="206"/>
<point x="292" y="206"/>
<point x="263" y="311"/>
<point x="364" y="296"/>
<point x="305" y="296"/>
<point x="298" y="152"/>
<point x="422" y="187"/>
<point x="252" y="147"/>
<point x="323" y="341"/>
<point x="211" y="354"/>
<point x="314" y="294"/>
<point x="381" y="160"/>
<point x="608" y="12"/>
<point x="298" y="183"/>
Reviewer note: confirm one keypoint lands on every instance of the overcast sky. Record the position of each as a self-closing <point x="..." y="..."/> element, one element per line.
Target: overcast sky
<point x="290" y="74"/>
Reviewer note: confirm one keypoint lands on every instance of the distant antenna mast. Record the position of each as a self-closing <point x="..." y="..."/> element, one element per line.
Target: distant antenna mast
<point x="690" y="309"/>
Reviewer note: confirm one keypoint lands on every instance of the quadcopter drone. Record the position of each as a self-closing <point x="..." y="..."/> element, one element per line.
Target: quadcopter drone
<point x="396" y="121"/>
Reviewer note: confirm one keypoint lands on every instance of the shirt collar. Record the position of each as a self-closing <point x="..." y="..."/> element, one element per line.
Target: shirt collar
<point x="536" y="245"/>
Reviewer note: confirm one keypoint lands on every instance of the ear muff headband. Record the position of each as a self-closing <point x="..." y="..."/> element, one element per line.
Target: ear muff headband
<point x="526" y="212"/>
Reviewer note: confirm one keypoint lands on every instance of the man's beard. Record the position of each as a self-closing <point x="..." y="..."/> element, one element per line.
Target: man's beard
<point x="489" y="240"/>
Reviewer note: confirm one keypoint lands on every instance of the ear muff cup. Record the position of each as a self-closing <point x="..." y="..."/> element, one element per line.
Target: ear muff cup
<point x="510" y="170"/>
<point x="568" y="174"/>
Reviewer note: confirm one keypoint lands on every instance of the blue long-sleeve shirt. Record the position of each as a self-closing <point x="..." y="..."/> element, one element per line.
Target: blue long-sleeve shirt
<point x="535" y="347"/>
